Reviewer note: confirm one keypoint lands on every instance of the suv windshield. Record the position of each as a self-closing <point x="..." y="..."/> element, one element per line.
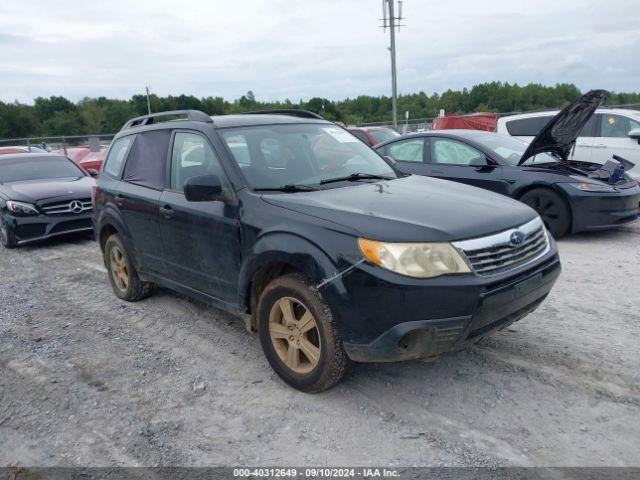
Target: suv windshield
<point x="273" y="156"/>
<point x="511" y="149"/>
<point x="38" y="168"/>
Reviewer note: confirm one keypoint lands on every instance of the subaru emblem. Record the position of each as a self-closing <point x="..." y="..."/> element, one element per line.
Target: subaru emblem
<point x="516" y="238"/>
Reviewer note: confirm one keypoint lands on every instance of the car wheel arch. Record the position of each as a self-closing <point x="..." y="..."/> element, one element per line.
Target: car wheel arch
<point x="552" y="187"/>
<point x="296" y="255"/>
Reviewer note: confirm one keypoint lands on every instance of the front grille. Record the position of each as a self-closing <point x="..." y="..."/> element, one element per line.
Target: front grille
<point x="80" y="205"/>
<point x="497" y="254"/>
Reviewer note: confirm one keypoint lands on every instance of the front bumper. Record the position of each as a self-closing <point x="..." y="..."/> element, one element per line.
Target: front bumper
<point x="598" y="211"/>
<point x="40" y="227"/>
<point x="392" y="322"/>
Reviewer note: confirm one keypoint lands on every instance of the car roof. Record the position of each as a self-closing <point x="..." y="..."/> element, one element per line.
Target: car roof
<point x="455" y="133"/>
<point x="249" y="120"/>
<point x="618" y="111"/>
<point x="468" y="134"/>
<point x="21" y="156"/>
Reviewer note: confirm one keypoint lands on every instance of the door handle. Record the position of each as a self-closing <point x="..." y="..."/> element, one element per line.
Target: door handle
<point x="439" y="172"/>
<point x="119" y="199"/>
<point x="167" y="211"/>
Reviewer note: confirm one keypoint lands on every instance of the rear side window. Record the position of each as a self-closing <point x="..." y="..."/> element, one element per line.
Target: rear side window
<point x="116" y="156"/>
<point x="407" y="150"/>
<point x="527" y="127"/>
<point x="146" y="165"/>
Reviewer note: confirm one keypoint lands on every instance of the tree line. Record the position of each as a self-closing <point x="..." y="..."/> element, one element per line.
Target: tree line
<point x="56" y="116"/>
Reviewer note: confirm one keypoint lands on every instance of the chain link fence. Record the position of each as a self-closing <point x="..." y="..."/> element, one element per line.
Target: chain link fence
<point x="61" y="143"/>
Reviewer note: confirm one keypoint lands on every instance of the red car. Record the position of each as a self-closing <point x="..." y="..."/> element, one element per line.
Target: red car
<point x="85" y="158"/>
<point x="374" y="135"/>
<point x="474" y="121"/>
<point x="10" y="150"/>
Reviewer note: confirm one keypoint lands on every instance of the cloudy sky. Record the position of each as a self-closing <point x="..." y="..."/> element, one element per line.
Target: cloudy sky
<point x="297" y="49"/>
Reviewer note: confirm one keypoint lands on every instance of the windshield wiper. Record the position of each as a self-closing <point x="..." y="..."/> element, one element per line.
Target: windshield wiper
<point x="287" y="188"/>
<point x="354" y="177"/>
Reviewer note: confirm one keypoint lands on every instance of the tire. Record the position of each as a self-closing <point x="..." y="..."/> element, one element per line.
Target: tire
<point x="318" y="368"/>
<point x="7" y="235"/>
<point x="552" y="208"/>
<point x="122" y="274"/>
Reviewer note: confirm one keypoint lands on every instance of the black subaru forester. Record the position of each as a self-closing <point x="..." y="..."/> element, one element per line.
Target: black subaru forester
<point x="326" y="250"/>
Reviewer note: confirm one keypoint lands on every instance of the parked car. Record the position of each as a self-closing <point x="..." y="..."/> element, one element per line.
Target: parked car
<point x="473" y="121"/>
<point x="374" y="135"/>
<point x="609" y="132"/>
<point x="13" y="149"/>
<point x="85" y="157"/>
<point x="570" y="196"/>
<point x="42" y="195"/>
<point x="325" y="248"/>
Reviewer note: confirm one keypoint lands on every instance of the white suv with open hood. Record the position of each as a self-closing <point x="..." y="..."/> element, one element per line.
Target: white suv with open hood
<point x="609" y="132"/>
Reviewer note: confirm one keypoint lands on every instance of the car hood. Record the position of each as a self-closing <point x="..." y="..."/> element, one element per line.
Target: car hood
<point x="558" y="136"/>
<point x="38" y="190"/>
<point x="410" y="209"/>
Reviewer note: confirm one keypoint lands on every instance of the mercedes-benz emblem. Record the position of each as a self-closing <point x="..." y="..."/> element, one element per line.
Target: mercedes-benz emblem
<point x="76" y="206"/>
<point x="516" y="238"/>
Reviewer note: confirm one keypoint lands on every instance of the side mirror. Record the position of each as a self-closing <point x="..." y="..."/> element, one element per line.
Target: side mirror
<point x="203" y="188"/>
<point x="93" y="172"/>
<point x="635" y="134"/>
<point x="478" y="162"/>
<point x="391" y="160"/>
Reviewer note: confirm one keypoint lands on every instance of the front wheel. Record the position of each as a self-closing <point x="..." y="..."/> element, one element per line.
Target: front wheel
<point x="7" y="235"/>
<point x="298" y="335"/>
<point x="552" y="208"/>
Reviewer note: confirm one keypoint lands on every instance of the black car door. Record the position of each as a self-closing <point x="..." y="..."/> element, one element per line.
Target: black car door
<point x="451" y="159"/>
<point x="200" y="240"/>
<point x="138" y="196"/>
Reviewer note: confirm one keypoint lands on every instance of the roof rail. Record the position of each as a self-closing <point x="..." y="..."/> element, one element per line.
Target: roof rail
<point x="193" y="115"/>
<point x="294" y="112"/>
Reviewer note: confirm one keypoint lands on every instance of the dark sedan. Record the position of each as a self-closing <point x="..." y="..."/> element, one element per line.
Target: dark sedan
<point x="570" y="196"/>
<point x="42" y="195"/>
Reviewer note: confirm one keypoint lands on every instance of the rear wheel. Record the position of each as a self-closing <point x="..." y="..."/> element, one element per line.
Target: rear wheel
<point x="298" y="335"/>
<point x="122" y="274"/>
<point x="7" y="236"/>
<point x="552" y="208"/>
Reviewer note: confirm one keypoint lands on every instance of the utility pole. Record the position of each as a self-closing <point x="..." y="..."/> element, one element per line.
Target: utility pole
<point x="148" y="102"/>
<point x="389" y="20"/>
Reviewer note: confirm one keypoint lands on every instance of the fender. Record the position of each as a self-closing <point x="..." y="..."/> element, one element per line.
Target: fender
<point x="292" y="249"/>
<point x="111" y="217"/>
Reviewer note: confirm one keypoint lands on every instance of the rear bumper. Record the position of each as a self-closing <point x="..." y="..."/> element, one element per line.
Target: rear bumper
<point x="41" y="227"/>
<point x="498" y="306"/>
<point x="598" y="211"/>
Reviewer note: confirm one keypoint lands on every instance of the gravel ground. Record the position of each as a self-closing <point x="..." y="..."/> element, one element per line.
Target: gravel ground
<point x="86" y="379"/>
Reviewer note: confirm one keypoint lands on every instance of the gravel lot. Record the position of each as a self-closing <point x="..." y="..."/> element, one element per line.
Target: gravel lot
<point x="86" y="379"/>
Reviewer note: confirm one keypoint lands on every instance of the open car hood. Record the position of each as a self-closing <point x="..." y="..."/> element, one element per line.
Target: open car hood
<point x="558" y="136"/>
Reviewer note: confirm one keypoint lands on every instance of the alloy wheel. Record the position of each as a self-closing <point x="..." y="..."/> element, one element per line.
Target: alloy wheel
<point x="119" y="270"/>
<point x="294" y="334"/>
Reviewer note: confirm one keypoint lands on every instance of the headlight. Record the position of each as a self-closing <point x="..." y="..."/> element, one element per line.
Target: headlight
<point x="593" y="187"/>
<point x="419" y="260"/>
<point x="20" y="208"/>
